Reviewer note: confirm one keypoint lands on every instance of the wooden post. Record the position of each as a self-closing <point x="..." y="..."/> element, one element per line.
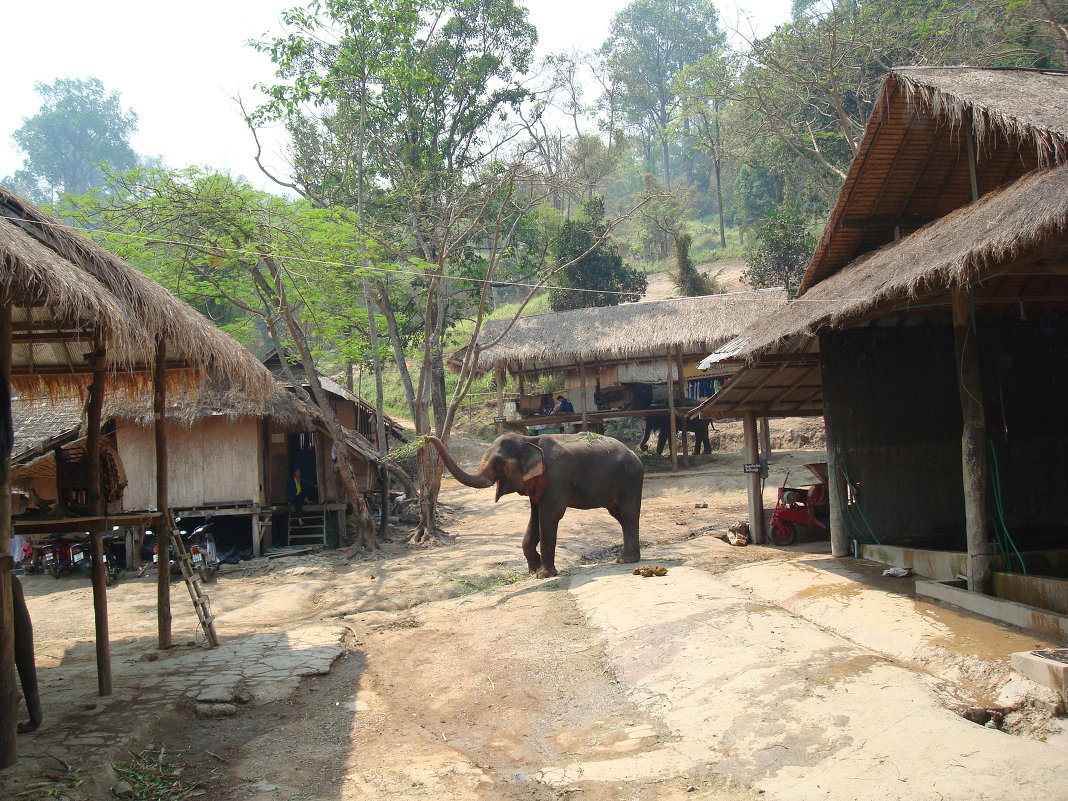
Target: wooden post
<point x="94" y="412"/>
<point x="838" y="499"/>
<point x="754" y="485"/>
<point x="973" y="444"/>
<point x="582" y="386"/>
<point x="673" y="423"/>
<point x="163" y="526"/>
<point x="682" y="397"/>
<point x="257" y="535"/>
<point x="9" y="694"/>
<point x="499" y="376"/>
<point x="765" y="441"/>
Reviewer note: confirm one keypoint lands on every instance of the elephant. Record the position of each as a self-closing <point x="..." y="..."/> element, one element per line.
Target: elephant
<point x="557" y="472"/>
<point x="662" y="423"/>
<point x="24" y="660"/>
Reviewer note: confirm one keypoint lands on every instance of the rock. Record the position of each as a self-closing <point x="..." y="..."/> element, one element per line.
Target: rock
<point x="215" y="711"/>
<point x="701" y="505"/>
<point x="123" y="789"/>
<point x="151" y="656"/>
<point x="243" y="697"/>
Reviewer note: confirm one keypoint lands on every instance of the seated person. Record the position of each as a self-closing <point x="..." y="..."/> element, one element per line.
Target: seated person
<point x="563" y="406"/>
<point x="299" y="490"/>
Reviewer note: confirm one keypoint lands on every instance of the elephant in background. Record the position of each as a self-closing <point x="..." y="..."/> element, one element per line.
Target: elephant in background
<point x="661" y="423"/>
<point x="557" y="472"/>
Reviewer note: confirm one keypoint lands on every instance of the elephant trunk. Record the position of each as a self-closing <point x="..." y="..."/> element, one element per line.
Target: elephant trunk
<point x="480" y="480"/>
<point x="24" y="658"/>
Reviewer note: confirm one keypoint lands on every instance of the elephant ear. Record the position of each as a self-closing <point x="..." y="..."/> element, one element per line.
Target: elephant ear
<point x="533" y="463"/>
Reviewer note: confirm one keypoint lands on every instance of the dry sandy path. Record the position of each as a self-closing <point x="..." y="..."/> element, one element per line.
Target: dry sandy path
<point x="743" y="673"/>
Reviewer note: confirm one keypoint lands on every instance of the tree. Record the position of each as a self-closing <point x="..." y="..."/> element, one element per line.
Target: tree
<point x="282" y="267"/>
<point x="782" y="251"/>
<point x="420" y="89"/>
<point x="593" y="266"/>
<point x="650" y="42"/>
<point x="810" y="84"/>
<point x="80" y="132"/>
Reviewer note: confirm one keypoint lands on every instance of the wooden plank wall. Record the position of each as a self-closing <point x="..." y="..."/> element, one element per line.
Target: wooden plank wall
<point x="213" y="461"/>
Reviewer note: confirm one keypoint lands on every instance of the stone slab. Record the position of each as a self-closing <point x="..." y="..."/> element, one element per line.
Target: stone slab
<point x="1049" y="672"/>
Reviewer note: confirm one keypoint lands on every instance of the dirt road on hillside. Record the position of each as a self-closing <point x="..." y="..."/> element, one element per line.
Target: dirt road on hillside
<point x="448" y="673"/>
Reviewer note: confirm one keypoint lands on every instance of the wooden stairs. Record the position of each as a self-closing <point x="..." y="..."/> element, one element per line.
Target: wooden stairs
<point x="311" y="531"/>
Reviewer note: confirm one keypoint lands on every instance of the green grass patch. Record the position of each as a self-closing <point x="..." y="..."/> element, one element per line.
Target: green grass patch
<point x="471" y="586"/>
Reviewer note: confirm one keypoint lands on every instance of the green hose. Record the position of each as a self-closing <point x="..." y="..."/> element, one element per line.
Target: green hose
<point x="856" y="505"/>
<point x="1001" y="528"/>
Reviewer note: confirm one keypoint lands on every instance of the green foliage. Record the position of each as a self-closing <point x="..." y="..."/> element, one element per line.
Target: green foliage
<point x="600" y="269"/>
<point x="80" y="131"/>
<point x="782" y="252"/>
<point x="755" y="196"/>
<point x="209" y="235"/>
<point x="650" y="41"/>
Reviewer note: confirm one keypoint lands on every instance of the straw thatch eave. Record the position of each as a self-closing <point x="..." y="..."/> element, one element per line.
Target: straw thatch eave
<point x="970" y="244"/>
<point x="912" y="167"/>
<point x="632" y="331"/>
<point x="150" y="312"/>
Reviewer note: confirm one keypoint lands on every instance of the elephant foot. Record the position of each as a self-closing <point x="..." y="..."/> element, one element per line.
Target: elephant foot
<point x="26" y="728"/>
<point x="533" y="567"/>
<point x="626" y="559"/>
<point x="546" y="572"/>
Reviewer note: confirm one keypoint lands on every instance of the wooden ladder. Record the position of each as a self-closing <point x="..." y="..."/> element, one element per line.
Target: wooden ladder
<point x="193" y="578"/>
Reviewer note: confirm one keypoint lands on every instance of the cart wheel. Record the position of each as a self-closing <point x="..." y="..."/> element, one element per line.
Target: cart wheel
<point x="783" y="533"/>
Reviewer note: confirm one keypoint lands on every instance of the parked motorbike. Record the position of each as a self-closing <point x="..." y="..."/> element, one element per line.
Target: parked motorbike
<point x="200" y="543"/>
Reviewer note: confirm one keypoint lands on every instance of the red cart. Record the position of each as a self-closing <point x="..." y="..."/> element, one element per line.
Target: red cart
<point x="799" y="508"/>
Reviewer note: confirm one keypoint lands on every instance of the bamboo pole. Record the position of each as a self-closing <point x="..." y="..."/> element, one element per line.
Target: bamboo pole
<point x="498" y="375"/>
<point x="682" y="397"/>
<point x="9" y="694"/>
<point x="582" y="385"/>
<point x="973" y="445"/>
<point x="755" y="495"/>
<point x="94" y="413"/>
<point x="163" y="533"/>
<point x="672" y="422"/>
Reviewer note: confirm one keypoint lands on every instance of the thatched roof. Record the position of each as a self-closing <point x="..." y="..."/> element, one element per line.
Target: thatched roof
<point x="62" y="284"/>
<point x="632" y="331"/>
<point x="912" y="166"/>
<point x="968" y="245"/>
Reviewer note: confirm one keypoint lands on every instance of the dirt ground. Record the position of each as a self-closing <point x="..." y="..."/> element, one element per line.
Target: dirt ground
<point x="448" y="673"/>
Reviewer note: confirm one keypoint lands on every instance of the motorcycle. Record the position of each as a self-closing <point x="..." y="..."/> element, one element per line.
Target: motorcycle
<point x="200" y="543"/>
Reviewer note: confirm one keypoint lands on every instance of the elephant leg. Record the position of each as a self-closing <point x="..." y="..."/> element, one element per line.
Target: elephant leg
<point x="644" y="444"/>
<point x="550" y="522"/>
<point x="661" y="439"/>
<point x="24" y="657"/>
<point x="530" y="541"/>
<point x="628" y="514"/>
<point x="703" y="445"/>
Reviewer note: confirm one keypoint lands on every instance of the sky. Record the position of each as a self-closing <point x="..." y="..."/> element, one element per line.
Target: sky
<point x="180" y="66"/>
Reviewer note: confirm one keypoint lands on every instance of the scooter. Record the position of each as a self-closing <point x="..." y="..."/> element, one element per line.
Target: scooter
<point x="202" y="552"/>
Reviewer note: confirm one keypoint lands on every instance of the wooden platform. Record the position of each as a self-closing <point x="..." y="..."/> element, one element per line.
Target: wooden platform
<point x="76" y="525"/>
<point x="524" y="423"/>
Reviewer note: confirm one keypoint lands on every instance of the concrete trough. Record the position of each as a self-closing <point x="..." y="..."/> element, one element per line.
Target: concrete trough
<point x="1043" y="621"/>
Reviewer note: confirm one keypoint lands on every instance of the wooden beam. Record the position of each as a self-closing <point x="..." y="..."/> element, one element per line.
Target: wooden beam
<point x="94" y="412"/>
<point x="903" y="221"/>
<point x="9" y="694"/>
<point x="973" y="446"/>
<point x="754" y="485"/>
<point x="671" y="413"/>
<point x="163" y="529"/>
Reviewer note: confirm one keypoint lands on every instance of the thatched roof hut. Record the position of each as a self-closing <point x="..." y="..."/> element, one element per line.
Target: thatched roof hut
<point x="913" y="167"/>
<point x="66" y="292"/>
<point x="968" y="245"/>
<point x="630" y="332"/>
